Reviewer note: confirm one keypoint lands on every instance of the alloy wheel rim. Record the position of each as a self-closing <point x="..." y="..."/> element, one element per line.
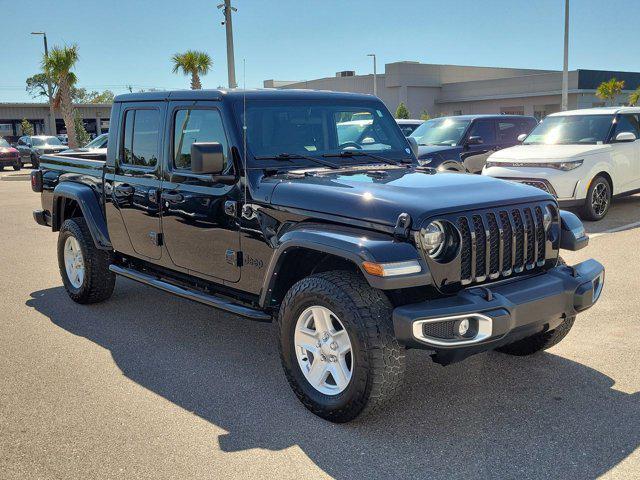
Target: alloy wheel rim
<point x="73" y="262"/>
<point x="600" y="199"/>
<point x="323" y="350"/>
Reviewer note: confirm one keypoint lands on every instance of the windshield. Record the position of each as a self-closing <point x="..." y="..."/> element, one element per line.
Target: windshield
<point x="571" y="129"/>
<point x="441" y="131"/>
<point x="39" y="141"/>
<point x="99" y="142"/>
<point x="4" y="143"/>
<point x="321" y="127"/>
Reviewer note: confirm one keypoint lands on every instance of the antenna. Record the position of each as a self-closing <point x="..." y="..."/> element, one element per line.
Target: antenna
<point x="244" y="129"/>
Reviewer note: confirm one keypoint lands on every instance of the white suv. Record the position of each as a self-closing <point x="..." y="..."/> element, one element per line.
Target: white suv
<point x="583" y="157"/>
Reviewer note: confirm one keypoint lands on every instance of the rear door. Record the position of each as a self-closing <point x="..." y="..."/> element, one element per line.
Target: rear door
<point x="475" y="156"/>
<point x="198" y="233"/>
<point x="136" y="183"/>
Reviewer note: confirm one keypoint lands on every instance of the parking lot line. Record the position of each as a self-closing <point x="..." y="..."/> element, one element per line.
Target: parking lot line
<point x="627" y="226"/>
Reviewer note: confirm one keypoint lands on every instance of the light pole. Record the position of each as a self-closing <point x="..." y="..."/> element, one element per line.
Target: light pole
<point x="231" y="67"/>
<point x="565" y="68"/>
<point x="52" y="116"/>
<point x="375" y="74"/>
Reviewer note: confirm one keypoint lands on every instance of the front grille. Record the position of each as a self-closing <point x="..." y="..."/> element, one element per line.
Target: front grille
<point x="534" y="182"/>
<point x="501" y="242"/>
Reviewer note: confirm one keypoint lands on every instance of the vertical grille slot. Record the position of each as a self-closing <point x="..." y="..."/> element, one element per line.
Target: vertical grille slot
<point x="540" y="236"/>
<point x="518" y="264"/>
<point x="494" y="245"/>
<point x="531" y="239"/>
<point x="507" y="252"/>
<point x="481" y="248"/>
<point x="465" y="252"/>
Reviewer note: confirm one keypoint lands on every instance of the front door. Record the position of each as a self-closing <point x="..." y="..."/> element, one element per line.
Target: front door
<point x="626" y="155"/>
<point x="475" y="156"/>
<point x="136" y="183"/>
<point x="199" y="235"/>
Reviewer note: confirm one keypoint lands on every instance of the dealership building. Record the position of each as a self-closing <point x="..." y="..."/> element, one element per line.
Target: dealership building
<point x="95" y="117"/>
<point x="457" y="90"/>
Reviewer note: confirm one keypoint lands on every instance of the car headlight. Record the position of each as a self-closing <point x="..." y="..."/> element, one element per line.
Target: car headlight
<point x="489" y="164"/>
<point x="432" y="238"/>
<point x="566" y="166"/>
<point x="425" y="161"/>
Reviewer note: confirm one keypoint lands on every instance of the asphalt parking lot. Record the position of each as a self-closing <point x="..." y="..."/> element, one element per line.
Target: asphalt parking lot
<point x="146" y="385"/>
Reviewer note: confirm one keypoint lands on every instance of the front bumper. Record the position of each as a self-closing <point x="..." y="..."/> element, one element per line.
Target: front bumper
<point x="499" y="314"/>
<point x="9" y="161"/>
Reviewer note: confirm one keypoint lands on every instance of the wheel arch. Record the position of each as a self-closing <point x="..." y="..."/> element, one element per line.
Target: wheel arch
<point x="72" y="199"/>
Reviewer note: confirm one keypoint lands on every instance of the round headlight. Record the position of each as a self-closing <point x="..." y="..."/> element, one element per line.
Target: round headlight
<point x="433" y="238"/>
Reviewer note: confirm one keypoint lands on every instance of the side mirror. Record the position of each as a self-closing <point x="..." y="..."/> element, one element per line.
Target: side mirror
<point x="207" y="158"/>
<point x="521" y="137"/>
<point x="572" y="234"/>
<point x="626" y="137"/>
<point x="475" y="140"/>
<point x="413" y="143"/>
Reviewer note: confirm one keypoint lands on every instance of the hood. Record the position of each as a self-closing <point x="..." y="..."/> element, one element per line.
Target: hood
<point x="547" y="152"/>
<point x="379" y="196"/>
<point x="55" y="148"/>
<point x="426" y="150"/>
<point x="8" y="150"/>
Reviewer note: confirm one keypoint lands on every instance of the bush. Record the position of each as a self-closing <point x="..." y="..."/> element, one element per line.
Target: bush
<point x="27" y="128"/>
<point x="82" y="137"/>
<point x="402" y="111"/>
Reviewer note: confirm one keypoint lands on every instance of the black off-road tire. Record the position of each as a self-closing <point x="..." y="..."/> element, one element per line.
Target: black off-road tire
<point x="35" y="162"/>
<point x="539" y="341"/>
<point x="588" y="210"/>
<point x="99" y="281"/>
<point x="378" y="359"/>
<point x="17" y="166"/>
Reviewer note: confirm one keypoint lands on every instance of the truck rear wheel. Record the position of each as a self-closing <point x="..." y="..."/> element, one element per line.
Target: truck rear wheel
<point x="337" y="346"/>
<point x="539" y="341"/>
<point x="83" y="267"/>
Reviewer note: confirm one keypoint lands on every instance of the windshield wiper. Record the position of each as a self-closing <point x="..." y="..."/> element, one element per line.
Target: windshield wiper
<point x="360" y="153"/>
<point x="292" y="156"/>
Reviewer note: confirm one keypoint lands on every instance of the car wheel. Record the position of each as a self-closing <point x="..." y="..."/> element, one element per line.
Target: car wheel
<point x="337" y="346"/>
<point x="17" y="166"/>
<point x="598" y="199"/>
<point x="35" y="163"/>
<point x="84" y="267"/>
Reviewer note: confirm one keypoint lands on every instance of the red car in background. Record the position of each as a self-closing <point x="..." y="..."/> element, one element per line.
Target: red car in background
<point x="9" y="156"/>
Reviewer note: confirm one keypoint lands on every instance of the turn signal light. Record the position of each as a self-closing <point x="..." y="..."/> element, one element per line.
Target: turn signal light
<point x="392" y="269"/>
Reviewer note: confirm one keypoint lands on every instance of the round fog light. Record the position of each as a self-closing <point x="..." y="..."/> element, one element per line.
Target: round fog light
<point x="463" y="327"/>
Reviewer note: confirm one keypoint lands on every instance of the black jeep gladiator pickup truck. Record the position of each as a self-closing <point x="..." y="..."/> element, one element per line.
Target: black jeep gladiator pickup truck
<point x="261" y="204"/>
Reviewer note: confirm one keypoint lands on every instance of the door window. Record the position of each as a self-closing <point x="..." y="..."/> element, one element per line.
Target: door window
<point x="141" y="135"/>
<point x="509" y="130"/>
<point x="191" y="126"/>
<point x="628" y="123"/>
<point x="483" y="129"/>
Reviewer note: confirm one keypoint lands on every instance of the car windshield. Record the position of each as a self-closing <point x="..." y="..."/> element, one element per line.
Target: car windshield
<point x="99" y="142"/>
<point x="571" y="130"/>
<point x="39" y="141"/>
<point x="441" y="131"/>
<point x="316" y="128"/>
<point x="4" y="143"/>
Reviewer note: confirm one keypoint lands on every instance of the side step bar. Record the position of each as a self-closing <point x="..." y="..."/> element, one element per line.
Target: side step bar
<point x="196" y="296"/>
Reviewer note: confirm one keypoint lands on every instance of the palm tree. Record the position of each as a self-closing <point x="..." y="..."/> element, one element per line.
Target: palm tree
<point x="192" y="63"/>
<point x="634" y="97"/>
<point x="610" y="89"/>
<point x="58" y="66"/>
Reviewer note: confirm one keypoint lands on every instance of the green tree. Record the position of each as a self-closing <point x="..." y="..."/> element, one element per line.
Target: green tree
<point x="37" y="85"/>
<point x="609" y="90"/>
<point x="402" y="111"/>
<point x="59" y="65"/>
<point x="192" y="63"/>
<point x="634" y="97"/>
<point x="425" y="115"/>
<point x="26" y="127"/>
<point x="82" y="137"/>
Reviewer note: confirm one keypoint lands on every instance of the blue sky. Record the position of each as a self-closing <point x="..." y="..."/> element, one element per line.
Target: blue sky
<point x="126" y="42"/>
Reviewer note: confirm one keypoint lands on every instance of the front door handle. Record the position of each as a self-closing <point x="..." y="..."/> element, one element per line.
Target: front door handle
<point x="124" y="189"/>
<point x="172" y="197"/>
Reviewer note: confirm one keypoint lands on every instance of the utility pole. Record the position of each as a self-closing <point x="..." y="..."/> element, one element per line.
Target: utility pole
<point x="52" y="114"/>
<point x="231" y="67"/>
<point x="375" y="74"/>
<point x="565" y="69"/>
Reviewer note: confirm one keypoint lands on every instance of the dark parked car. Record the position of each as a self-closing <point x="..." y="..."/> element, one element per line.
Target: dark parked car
<point x="31" y="147"/>
<point x="9" y="156"/>
<point x="249" y="201"/>
<point x="463" y="143"/>
<point x="408" y="125"/>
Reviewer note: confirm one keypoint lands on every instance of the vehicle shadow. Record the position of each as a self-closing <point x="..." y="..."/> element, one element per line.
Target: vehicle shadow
<point x="491" y="416"/>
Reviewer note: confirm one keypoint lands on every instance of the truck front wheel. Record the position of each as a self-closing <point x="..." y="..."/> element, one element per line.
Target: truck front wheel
<point x="83" y="267"/>
<point x="337" y="346"/>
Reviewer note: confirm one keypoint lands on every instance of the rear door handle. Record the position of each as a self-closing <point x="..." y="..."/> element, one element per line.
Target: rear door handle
<point x="172" y="197"/>
<point x="124" y="189"/>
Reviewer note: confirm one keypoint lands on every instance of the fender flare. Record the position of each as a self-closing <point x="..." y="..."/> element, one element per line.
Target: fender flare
<point x="351" y="245"/>
<point x="91" y="210"/>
